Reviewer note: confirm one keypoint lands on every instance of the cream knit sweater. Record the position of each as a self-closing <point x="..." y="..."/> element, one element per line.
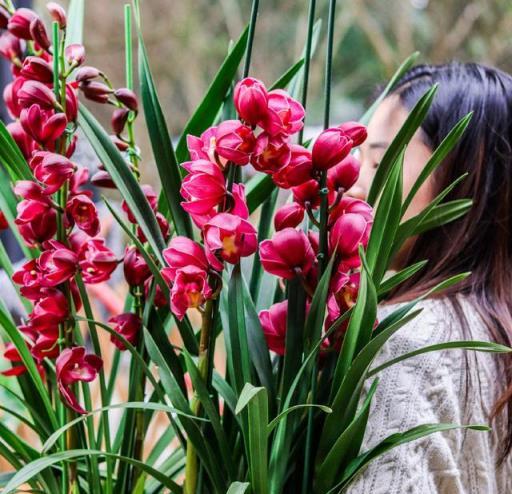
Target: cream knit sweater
<point x="429" y="388"/>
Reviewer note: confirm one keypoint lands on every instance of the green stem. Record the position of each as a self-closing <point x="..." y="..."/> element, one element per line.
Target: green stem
<point x="250" y="37"/>
<point x="128" y="45"/>
<point x="191" y="465"/>
<point x="323" y="243"/>
<point x="307" y="59"/>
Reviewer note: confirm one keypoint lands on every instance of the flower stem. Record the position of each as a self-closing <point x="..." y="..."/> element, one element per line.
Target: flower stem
<point x="250" y="37"/>
<point x="307" y="59"/>
<point x="205" y="339"/>
<point x="323" y="244"/>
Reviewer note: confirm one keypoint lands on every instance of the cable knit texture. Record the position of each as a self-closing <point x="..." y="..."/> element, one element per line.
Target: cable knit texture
<point x="449" y="386"/>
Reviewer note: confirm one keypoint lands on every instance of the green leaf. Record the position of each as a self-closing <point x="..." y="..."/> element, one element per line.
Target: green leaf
<point x="443" y="214"/>
<point x="437" y="157"/>
<point x="12" y="158"/>
<point x="212" y="412"/>
<point x="408" y="129"/>
<point x="477" y="346"/>
<point x="170" y="383"/>
<point x="256" y="401"/>
<point x="257" y="190"/>
<point x="17" y="340"/>
<point x="238" y="488"/>
<point x="208" y="108"/>
<point x="359" y="329"/>
<point x="385" y="225"/>
<point x="122" y="176"/>
<point x="399" y="277"/>
<point x="346" y="446"/>
<point x="75" y="22"/>
<point x="392" y="441"/>
<point x="404" y="67"/>
<point x="347" y="395"/>
<point x="35" y="467"/>
<point x="163" y="151"/>
<point x="407" y="228"/>
<point x="295" y="408"/>
<point x="288" y="76"/>
<point x="239" y="363"/>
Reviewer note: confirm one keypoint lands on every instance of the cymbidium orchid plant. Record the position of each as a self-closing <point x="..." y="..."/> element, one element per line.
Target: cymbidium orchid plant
<point x="250" y="327"/>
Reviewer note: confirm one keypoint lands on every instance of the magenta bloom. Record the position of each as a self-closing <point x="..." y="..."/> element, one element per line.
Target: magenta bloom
<point x="22" y="139"/>
<point x="190" y="289"/>
<point x="307" y="193"/>
<point x="288" y="216"/>
<point x="81" y="211"/>
<point x="73" y="366"/>
<point x="136" y="270"/>
<point x="273" y="323"/>
<point x="284" y="114"/>
<point x="343" y="175"/>
<point x="38" y="69"/>
<point x="331" y="146"/>
<point x="355" y="131"/>
<point x="57" y="264"/>
<point x="51" y="309"/>
<point x="239" y="207"/>
<point x="127" y="325"/>
<point x="96" y="261"/>
<point x="3" y="221"/>
<point x="250" y="98"/>
<point x="35" y="92"/>
<point x="228" y="238"/>
<point x="19" y="23"/>
<point x="271" y="153"/>
<point x="234" y="141"/>
<point x="30" y="278"/>
<point x="203" y="189"/>
<point x="297" y="170"/>
<point x="351" y="229"/>
<point x="183" y="252"/>
<point x="202" y="148"/>
<point x="287" y="254"/>
<point x="42" y="126"/>
<point x="52" y="170"/>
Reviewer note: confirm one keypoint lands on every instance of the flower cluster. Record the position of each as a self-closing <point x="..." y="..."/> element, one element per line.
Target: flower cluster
<point x="56" y="213"/>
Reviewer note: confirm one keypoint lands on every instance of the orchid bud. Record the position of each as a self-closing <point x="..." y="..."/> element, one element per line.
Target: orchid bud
<point x="38" y="33"/>
<point x="35" y="92"/>
<point x="19" y="23"/>
<point x="127" y="325"/>
<point x="103" y="179"/>
<point x="96" y="91"/>
<point x="10" y="46"/>
<point x="86" y="73"/>
<point x="250" y="99"/>
<point x="119" y="119"/>
<point x="71" y="103"/>
<point x="127" y="97"/>
<point x="51" y="169"/>
<point x="4" y="17"/>
<point x="37" y="69"/>
<point x="75" y="54"/>
<point x="355" y="131"/>
<point x="57" y="13"/>
<point x="119" y="144"/>
<point x="42" y="127"/>
<point x="288" y="216"/>
<point x="344" y="175"/>
<point x="273" y="322"/>
<point x="288" y="253"/>
<point x="331" y="146"/>
<point x="136" y="270"/>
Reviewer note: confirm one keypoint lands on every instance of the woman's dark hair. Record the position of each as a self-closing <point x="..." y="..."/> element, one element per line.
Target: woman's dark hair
<point x="480" y="241"/>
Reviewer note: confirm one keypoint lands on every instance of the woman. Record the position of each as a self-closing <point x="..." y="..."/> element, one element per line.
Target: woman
<point x="450" y="386"/>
